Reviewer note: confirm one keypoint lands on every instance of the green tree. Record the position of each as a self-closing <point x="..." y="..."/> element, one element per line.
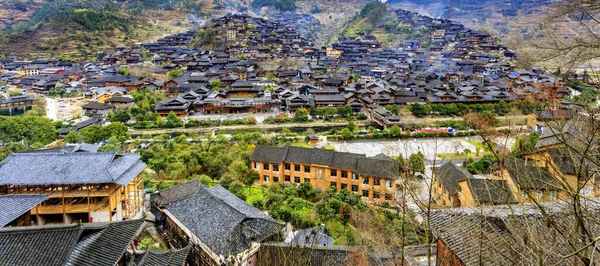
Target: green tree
<point x="301" y="115"/>
<point x="29" y="129"/>
<point x="418" y="110"/>
<point x="344" y="110"/>
<point x="124" y="71"/>
<point x="73" y="137"/>
<point x="118" y="130"/>
<point x="175" y="73"/>
<point x="172" y="120"/>
<point x="215" y="85"/>
<point x="392" y="108"/>
<point x="237" y="188"/>
<point x="346" y="133"/>
<point x="351" y="126"/>
<point x="395" y="131"/>
<point x="312" y="111"/>
<point x="417" y="163"/>
<point x="121" y="116"/>
<point x="286" y="131"/>
<point x="92" y="134"/>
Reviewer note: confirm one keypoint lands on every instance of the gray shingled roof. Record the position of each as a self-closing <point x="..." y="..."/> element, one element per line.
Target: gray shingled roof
<point x="570" y="162"/>
<point x="269" y="154"/>
<point x="94" y="244"/>
<point x="176" y="192"/>
<point x="377" y="167"/>
<point x="298" y="155"/>
<point x="494" y="235"/>
<point x="491" y="191"/>
<point x="70" y="168"/>
<point x="40" y="245"/>
<point x="171" y="257"/>
<point x="104" y="243"/>
<point x="223" y="221"/>
<point x="449" y="174"/>
<point x="13" y="206"/>
<point x="530" y="177"/>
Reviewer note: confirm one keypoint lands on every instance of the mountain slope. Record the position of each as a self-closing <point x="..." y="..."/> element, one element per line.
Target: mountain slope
<point x="77" y="29"/>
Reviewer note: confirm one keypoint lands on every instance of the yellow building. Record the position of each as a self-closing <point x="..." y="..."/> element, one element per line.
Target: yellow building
<point x="454" y="186"/>
<point x="373" y="178"/>
<point x="81" y="186"/>
<point x="518" y="180"/>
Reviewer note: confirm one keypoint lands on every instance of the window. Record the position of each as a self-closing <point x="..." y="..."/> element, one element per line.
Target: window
<point x="365" y="193"/>
<point x="365" y="181"/>
<point x="376" y="195"/>
<point x="287" y="178"/>
<point x="524" y="194"/>
<point x="266" y="166"/>
<point x="354" y="188"/>
<point x="297" y="168"/>
<point x="539" y="194"/>
<point x="275" y="167"/>
<point x="296" y="179"/>
<point x="354" y="176"/>
<point x="266" y="178"/>
<point x="388" y="196"/>
<point x="333" y="173"/>
<point x="307" y="169"/>
<point x="376" y="182"/>
<point x="256" y="165"/>
<point x="344" y="187"/>
<point x="306" y="180"/>
<point x="333" y="184"/>
<point x="388" y="183"/>
<point x="287" y="166"/>
<point x="553" y="195"/>
<point x="275" y="179"/>
<point x="344" y="174"/>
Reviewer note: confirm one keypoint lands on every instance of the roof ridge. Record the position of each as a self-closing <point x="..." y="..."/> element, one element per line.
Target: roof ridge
<point x="209" y="190"/>
<point x="38" y="228"/>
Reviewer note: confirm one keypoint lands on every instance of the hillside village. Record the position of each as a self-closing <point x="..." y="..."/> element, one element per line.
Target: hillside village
<point x="93" y="193"/>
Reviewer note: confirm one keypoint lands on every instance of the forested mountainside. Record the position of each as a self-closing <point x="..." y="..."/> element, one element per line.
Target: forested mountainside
<point x="76" y="29"/>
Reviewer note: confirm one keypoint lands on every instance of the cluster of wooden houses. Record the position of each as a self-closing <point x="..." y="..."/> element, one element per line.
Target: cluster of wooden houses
<point x="266" y="65"/>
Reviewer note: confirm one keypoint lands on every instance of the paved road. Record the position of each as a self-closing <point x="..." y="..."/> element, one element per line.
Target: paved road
<point x="258" y="127"/>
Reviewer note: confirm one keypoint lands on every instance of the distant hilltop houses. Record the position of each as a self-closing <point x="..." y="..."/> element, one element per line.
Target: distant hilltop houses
<point x="266" y="65"/>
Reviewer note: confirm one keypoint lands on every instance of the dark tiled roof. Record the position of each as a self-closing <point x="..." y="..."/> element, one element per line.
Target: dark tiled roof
<point x="449" y="174"/>
<point x="176" y="192"/>
<point x="347" y="161"/>
<point x="13" y="206"/>
<point x="269" y="154"/>
<point x="96" y="106"/>
<point x="491" y="191"/>
<point x="273" y="254"/>
<point x="222" y="221"/>
<point x="172" y="257"/>
<point x="377" y="167"/>
<point x="493" y="235"/>
<point x="321" y="156"/>
<point x="298" y="155"/>
<point x="530" y="177"/>
<point x="311" y="237"/>
<point x="70" y="168"/>
<point x="40" y="246"/>
<point x="104" y="243"/>
<point x="570" y="162"/>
